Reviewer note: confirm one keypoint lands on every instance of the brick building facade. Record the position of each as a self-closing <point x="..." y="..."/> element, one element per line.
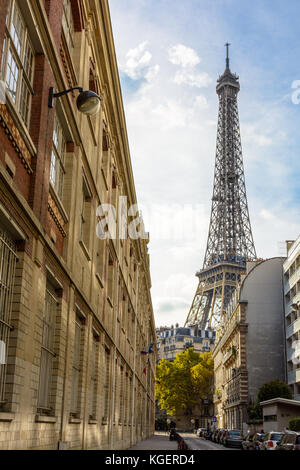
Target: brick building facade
<point x="75" y="310"/>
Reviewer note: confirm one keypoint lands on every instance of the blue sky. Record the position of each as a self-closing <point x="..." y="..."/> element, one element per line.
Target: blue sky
<point x="170" y="54"/>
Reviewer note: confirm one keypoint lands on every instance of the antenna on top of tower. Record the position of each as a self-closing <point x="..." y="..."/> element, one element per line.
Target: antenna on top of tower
<point x="227" y="54"/>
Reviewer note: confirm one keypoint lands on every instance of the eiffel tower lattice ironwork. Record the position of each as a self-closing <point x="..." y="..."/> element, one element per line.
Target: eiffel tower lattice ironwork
<point x="230" y="241"/>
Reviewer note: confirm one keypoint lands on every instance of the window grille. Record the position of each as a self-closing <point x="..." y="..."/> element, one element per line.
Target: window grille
<point x="68" y="24"/>
<point x="18" y="63"/>
<point x="94" y="376"/>
<point x="47" y="353"/>
<point x="106" y="384"/>
<point x="8" y="258"/>
<point x="76" y="365"/>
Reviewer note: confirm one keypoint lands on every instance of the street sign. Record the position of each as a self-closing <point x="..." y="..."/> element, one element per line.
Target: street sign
<point x="214" y="419"/>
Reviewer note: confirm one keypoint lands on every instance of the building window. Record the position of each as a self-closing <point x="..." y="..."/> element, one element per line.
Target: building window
<point x="110" y="277"/>
<point x="68" y="24"/>
<point x="57" y="158"/>
<point x="47" y="353"/>
<point x="18" y="63"/>
<point x="85" y="217"/>
<point x="8" y="260"/>
<point x="270" y="418"/>
<point x="122" y="396"/>
<point x="77" y="364"/>
<point x="106" y="385"/>
<point x="94" y="376"/>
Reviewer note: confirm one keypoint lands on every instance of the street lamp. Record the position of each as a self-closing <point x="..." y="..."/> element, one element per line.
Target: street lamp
<point x="88" y="102"/>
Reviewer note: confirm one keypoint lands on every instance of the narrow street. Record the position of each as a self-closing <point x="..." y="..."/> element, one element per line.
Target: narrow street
<point x="160" y="441"/>
<point x="196" y="443"/>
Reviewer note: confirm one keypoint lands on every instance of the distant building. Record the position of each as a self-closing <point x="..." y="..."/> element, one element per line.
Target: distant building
<point x="249" y="348"/>
<point x="291" y="268"/>
<point x="172" y="341"/>
<point x="278" y="412"/>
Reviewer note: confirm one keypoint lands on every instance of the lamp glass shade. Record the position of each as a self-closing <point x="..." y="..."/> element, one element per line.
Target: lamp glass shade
<point x="88" y="102"/>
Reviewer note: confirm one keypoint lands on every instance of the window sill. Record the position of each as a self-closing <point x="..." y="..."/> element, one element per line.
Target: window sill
<point x="85" y="250"/>
<point x="93" y="421"/>
<point x="99" y="280"/>
<point x="7" y="417"/>
<point x="45" y="419"/>
<point x="74" y="420"/>
<point x="59" y="204"/>
<point x="110" y="301"/>
<point x="104" y="178"/>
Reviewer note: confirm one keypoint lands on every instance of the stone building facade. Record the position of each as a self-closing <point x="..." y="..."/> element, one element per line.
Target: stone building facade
<point x="175" y="340"/>
<point x="291" y="269"/>
<point x="249" y="348"/>
<point x="75" y="309"/>
<point x="172" y="341"/>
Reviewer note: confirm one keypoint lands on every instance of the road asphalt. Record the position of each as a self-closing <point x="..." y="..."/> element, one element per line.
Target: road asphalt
<point x="160" y="441"/>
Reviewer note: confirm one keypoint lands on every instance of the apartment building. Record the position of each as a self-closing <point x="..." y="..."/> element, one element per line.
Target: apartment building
<point x="291" y="269"/>
<point x="172" y="341"/>
<point x="249" y="346"/>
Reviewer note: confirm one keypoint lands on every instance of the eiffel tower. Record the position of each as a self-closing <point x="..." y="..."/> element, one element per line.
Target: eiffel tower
<point x="230" y="242"/>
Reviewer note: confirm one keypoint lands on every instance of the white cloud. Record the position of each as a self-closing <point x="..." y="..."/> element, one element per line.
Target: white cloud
<point x="266" y="214"/>
<point x="201" y="102"/>
<point x="251" y="134"/>
<point x="138" y="63"/>
<point x="183" y="56"/>
<point x="198" y="80"/>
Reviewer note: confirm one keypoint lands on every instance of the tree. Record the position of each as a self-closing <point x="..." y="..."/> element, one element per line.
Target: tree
<point x="274" y="389"/>
<point x="294" y="424"/>
<point x="183" y="383"/>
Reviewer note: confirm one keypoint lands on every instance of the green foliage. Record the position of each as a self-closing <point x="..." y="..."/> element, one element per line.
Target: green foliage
<point x="183" y="383"/>
<point x="255" y="414"/>
<point x="294" y="424"/>
<point x="161" y="424"/>
<point x="274" y="389"/>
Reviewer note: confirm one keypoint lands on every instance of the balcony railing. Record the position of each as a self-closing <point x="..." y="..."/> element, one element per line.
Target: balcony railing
<point x="293" y="328"/>
<point x="231" y="352"/>
<point x="293" y="376"/>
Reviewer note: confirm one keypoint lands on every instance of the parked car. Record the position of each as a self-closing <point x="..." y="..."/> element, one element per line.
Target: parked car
<point x="214" y="435"/>
<point x="253" y="441"/>
<point x="271" y="440"/>
<point x="208" y="435"/>
<point x="222" y="437"/>
<point x="218" y="436"/>
<point x="247" y="442"/>
<point x="201" y="431"/>
<point x="233" y="438"/>
<point x="289" y="441"/>
<point x="257" y="440"/>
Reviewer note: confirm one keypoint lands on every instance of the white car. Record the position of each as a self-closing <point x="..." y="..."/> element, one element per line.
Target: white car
<point x="271" y="440"/>
<point x="200" y="432"/>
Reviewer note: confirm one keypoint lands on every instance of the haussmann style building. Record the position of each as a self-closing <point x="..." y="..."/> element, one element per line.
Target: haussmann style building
<point x="291" y="270"/>
<point x="75" y="308"/>
<point x="249" y="347"/>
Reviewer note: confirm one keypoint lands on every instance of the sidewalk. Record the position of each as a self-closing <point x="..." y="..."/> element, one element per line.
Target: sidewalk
<point x="159" y="441"/>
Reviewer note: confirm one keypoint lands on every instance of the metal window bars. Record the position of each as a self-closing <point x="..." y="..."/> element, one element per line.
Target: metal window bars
<point x="8" y="258"/>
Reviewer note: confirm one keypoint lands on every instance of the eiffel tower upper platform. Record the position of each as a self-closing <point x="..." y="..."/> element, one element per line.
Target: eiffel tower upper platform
<point x="230" y="241"/>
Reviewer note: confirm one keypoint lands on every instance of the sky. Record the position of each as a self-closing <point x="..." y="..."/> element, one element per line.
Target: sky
<point x="170" y="54"/>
